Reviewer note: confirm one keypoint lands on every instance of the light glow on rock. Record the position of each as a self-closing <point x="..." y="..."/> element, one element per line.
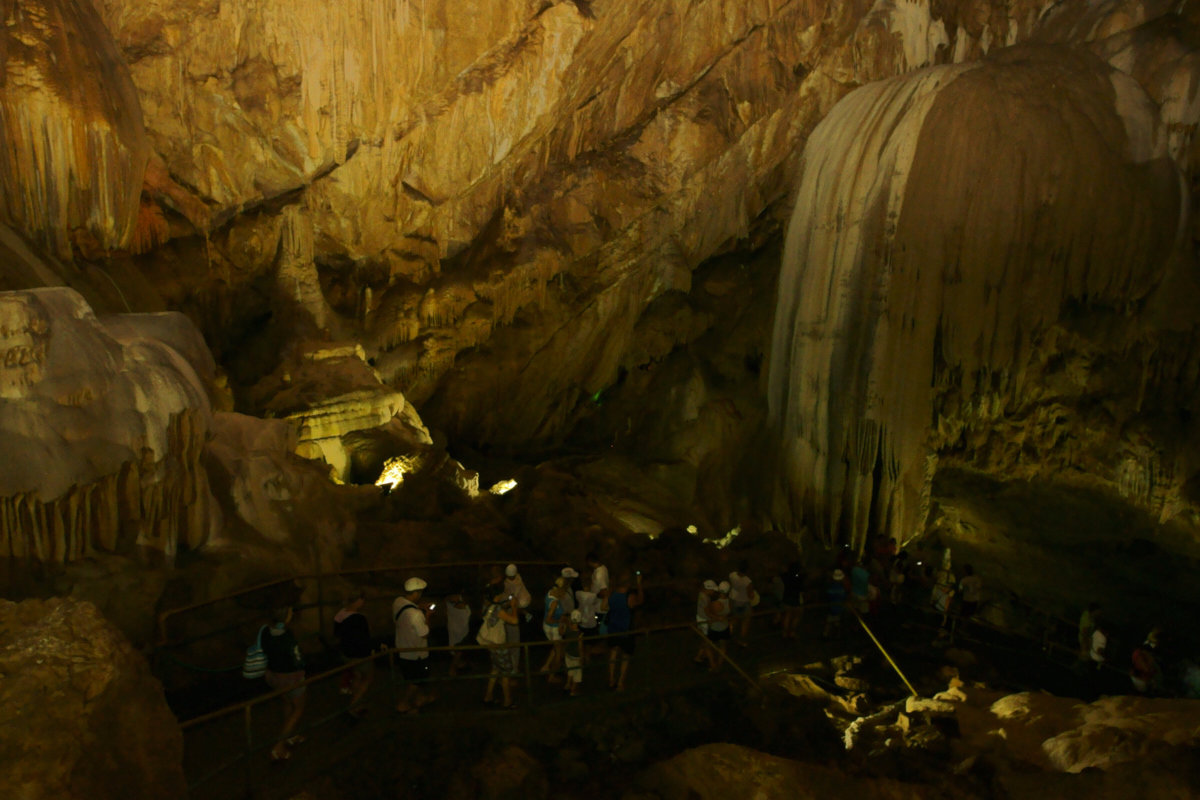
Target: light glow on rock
<point x="693" y="530"/>
<point x="394" y="470"/>
<point x="503" y="487"/>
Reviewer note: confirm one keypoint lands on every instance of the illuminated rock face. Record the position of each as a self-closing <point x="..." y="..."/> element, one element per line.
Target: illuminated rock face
<point x="980" y="257"/>
<point x="72" y="147"/>
<point x="505" y="185"/>
<point x="72" y="685"/>
<point x="102" y="422"/>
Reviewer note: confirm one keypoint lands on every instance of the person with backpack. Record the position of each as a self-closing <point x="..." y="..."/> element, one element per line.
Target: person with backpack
<point x="285" y="671"/>
<point x="354" y="641"/>
<point x="499" y="618"/>
<point x="412" y="632"/>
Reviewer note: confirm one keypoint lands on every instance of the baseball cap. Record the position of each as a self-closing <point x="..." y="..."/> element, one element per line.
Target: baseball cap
<point x="838" y="575"/>
<point x="511" y="570"/>
<point x="568" y="572"/>
<point x="710" y="586"/>
<point x="414" y="585"/>
<point x="577" y="616"/>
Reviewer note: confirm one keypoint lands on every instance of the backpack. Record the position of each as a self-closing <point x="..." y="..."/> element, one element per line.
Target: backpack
<point x="491" y="632"/>
<point x="255" y="663"/>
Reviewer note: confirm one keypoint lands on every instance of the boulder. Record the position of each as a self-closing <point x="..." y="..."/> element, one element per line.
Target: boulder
<point x="83" y="717"/>
<point x="721" y="771"/>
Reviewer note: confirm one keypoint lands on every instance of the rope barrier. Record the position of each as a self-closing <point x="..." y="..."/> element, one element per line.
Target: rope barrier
<point x="886" y="655"/>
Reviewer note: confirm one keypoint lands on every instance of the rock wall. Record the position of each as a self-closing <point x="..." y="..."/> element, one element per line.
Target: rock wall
<point x="959" y="236"/>
<point x="102" y="423"/>
<point x="72" y="147"/>
<point x="71" y="685"/>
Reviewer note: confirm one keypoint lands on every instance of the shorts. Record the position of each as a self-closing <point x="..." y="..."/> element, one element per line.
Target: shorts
<point x="287" y="680"/>
<point x="739" y="610"/>
<point x="718" y="636"/>
<point x="504" y="660"/>
<point x="414" y="669"/>
<point x="575" y="668"/>
<point x="552" y="632"/>
<point x="625" y="643"/>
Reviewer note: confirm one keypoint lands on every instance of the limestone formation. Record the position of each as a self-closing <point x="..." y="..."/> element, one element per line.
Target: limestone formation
<point x="102" y="423"/>
<point x="72" y="686"/>
<point x="952" y="235"/>
<point x="72" y="146"/>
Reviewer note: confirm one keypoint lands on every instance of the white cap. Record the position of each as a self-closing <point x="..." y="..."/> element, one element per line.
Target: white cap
<point x="568" y="572"/>
<point x="577" y="616"/>
<point x="511" y="570"/>
<point x="710" y="586"/>
<point x="723" y="587"/>
<point x="414" y="585"/>
<point x="838" y="575"/>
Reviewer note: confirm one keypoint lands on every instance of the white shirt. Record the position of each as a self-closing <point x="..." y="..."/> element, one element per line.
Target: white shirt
<point x="600" y="579"/>
<point x="739" y="588"/>
<point x="458" y="622"/>
<point x="411" y="628"/>
<point x="1099" y="644"/>
<point x="516" y="587"/>
<point x="588" y="604"/>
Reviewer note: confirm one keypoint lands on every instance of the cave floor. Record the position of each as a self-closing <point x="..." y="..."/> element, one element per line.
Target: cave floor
<point x="379" y="750"/>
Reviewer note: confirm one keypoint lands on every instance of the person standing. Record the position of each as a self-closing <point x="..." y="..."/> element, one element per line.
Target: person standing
<point x="354" y="640"/>
<point x="502" y="609"/>
<point x="412" y="632"/>
<point x="599" y="584"/>
<point x="551" y="627"/>
<point x="970" y="589"/>
<point x="740" y="588"/>
<point x="285" y="672"/>
<point x="1087" y="626"/>
<point x="588" y="605"/>
<point x="860" y="583"/>
<point x="458" y="625"/>
<point x="621" y="604"/>
<point x="571" y="584"/>
<point x="573" y="651"/>
<point x="718" y="626"/>
<point x="708" y="591"/>
<point x="1146" y="675"/>
<point x="793" y="599"/>
<point x="835" y="596"/>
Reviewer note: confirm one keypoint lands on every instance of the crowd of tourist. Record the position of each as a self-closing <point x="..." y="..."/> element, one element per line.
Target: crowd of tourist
<point x="588" y="617"/>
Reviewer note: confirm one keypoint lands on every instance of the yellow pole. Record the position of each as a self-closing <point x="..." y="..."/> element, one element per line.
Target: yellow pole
<point x="863" y="622"/>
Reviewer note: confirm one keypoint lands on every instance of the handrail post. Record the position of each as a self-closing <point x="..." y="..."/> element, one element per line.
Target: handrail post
<point x="320" y="604"/>
<point x="528" y="673"/>
<point x="247" y="768"/>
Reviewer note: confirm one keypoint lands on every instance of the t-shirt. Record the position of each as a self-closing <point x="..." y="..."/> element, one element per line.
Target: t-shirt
<point x="411" y="628"/>
<point x="554" y="611"/>
<point x="718" y="615"/>
<point x="739" y="588"/>
<point x="1099" y="644"/>
<point x="860" y="579"/>
<point x="587" y="604"/>
<point x="835" y="593"/>
<point x="282" y="650"/>
<point x="516" y="587"/>
<point x="793" y="588"/>
<point x="458" y="622"/>
<point x="568" y="600"/>
<point x="619" y="615"/>
<point x="353" y="634"/>
<point x="600" y="579"/>
<point x="972" y="588"/>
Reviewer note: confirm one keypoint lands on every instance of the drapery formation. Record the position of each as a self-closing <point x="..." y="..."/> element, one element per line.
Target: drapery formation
<point x="944" y="221"/>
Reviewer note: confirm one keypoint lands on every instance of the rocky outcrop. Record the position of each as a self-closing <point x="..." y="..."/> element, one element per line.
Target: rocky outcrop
<point x="82" y="717"/>
<point x="729" y="770"/>
<point x="955" y="245"/>
<point x="72" y="147"/>
<point x="102" y="422"/>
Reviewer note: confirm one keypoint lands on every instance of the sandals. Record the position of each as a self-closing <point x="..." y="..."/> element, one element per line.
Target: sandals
<point x="280" y="755"/>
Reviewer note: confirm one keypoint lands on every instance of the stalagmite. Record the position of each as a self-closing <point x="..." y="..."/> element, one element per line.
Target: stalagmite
<point x="944" y="222"/>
